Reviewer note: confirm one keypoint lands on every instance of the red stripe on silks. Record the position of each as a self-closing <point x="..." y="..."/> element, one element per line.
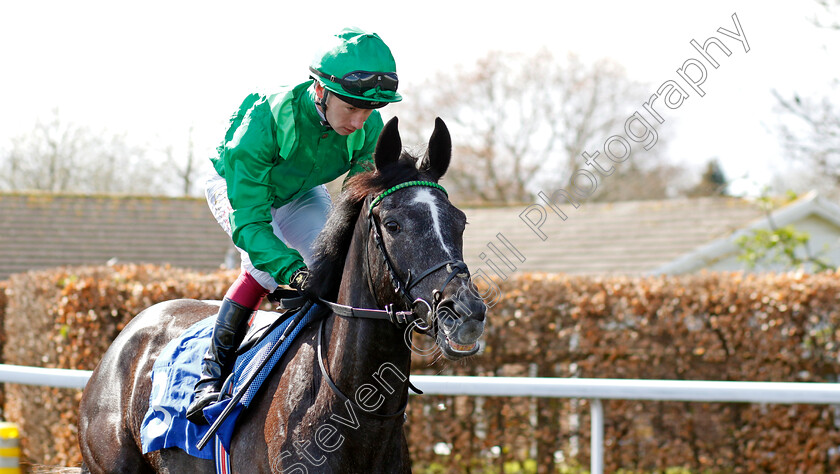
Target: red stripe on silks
<point x="222" y="458"/>
<point x="225" y="460"/>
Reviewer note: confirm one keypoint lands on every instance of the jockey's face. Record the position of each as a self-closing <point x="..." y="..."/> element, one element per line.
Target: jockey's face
<point x="343" y="117"/>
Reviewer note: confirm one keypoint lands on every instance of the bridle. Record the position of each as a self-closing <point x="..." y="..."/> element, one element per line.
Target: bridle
<point x="403" y="287"/>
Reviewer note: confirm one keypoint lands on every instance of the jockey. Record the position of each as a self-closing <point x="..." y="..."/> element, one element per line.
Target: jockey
<point x="268" y="190"/>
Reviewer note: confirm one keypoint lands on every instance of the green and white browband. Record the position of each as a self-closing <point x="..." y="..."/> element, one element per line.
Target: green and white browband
<point x="407" y="184"/>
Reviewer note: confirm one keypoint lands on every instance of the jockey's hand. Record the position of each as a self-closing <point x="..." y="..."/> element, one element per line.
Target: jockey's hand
<point x="301" y="282"/>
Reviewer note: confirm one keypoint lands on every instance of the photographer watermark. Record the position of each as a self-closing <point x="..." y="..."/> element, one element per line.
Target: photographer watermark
<point x="332" y="434"/>
<point x="637" y="128"/>
<point x="639" y="131"/>
<point x="502" y="257"/>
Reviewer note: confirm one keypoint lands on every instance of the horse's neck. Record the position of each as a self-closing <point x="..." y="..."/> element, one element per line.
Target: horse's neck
<point x="365" y="351"/>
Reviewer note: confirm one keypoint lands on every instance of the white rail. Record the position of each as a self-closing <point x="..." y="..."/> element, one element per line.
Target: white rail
<point x="631" y="389"/>
<point x="62" y="378"/>
<point x="623" y="389"/>
<point x="593" y="389"/>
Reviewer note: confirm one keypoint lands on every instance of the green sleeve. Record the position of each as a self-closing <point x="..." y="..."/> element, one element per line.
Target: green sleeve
<point x="250" y="152"/>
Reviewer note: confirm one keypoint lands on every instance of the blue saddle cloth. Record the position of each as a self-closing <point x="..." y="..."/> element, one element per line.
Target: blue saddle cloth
<point x="178" y="368"/>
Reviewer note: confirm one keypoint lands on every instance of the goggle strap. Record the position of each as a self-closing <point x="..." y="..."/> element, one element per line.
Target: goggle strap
<point x="321" y="74"/>
<point x="343" y="82"/>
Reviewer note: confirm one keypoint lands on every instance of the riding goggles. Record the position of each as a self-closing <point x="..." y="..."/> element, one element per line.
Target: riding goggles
<point x="363" y="83"/>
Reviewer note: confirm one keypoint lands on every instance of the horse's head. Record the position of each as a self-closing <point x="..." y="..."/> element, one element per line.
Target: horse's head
<point x="408" y="251"/>
<point x="416" y="240"/>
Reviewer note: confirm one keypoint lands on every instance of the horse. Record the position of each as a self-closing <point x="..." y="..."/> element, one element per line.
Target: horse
<point x="392" y="245"/>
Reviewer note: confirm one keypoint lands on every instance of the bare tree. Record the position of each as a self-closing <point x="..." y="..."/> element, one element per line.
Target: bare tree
<point x="60" y="156"/>
<point x="810" y="131"/>
<point x="520" y="121"/>
<point x="811" y="136"/>
<point x="46" y="158"/>
<point x="649" y="178"/>
<point x="183" y="171"/>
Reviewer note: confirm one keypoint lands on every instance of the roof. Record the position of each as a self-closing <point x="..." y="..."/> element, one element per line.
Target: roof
<point x="41" y="230"/>
<point x="636" y="237"/>
<point x="633" y="237"/>
<point x="811" y="204"/>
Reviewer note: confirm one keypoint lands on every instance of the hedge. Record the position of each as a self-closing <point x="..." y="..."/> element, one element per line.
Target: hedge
<point x="717" y="326"/>
<point x="67" y="318"/>
<point x="731" y="326"/>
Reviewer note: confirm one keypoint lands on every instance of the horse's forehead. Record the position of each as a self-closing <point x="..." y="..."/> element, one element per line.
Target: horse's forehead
<point x="429" y="201"/>
<point x="424" y="196"/>
<point x="425" y="203"/>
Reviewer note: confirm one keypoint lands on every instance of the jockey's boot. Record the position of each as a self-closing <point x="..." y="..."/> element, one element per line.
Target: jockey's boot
<point x="230" y="329"/>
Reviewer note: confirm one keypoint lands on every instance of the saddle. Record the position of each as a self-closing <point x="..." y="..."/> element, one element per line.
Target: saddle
<point x="262" y="323"/>
<point x="178" y="368"/>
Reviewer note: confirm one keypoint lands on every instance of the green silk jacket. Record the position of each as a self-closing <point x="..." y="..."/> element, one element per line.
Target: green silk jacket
<point x="274" y="151"/>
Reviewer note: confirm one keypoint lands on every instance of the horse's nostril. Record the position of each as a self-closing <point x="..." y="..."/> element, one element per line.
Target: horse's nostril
<point x="478" y="309"/>
<point x="465" y="307"/>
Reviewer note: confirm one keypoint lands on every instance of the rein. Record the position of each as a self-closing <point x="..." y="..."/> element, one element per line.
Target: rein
<point x="344" y="398"/>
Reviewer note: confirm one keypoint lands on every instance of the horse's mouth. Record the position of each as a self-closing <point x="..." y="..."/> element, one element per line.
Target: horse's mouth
<point x="464" y="349"/>
<point x="453" y="350"/>
<point x="457" y="333"/>
<point x="455" y="344"/>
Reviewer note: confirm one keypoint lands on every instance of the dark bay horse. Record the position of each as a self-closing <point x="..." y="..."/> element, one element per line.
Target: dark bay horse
<point x="393" y="241"/>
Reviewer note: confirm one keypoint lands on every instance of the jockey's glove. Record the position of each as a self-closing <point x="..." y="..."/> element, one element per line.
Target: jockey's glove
<point x="301" y="282"/>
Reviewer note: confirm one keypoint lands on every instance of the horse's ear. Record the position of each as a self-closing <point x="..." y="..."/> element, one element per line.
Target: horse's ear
<point x="439" y="153"/>
<point x="389" y="146"/>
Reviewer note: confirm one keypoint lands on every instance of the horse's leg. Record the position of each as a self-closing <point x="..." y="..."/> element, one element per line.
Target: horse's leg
<point x="295" y="424"/>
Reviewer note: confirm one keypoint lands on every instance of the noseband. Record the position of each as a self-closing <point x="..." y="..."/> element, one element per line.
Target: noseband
<point x="403" y="287"/>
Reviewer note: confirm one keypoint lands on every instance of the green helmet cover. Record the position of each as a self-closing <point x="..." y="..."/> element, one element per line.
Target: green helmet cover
<point x="351" y="50"/>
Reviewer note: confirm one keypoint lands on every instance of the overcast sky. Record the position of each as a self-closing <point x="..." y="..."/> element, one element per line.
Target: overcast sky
<point x="154" y="69"/>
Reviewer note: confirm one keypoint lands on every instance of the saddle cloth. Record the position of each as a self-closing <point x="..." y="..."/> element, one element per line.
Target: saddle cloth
<point x="178" y="368"/>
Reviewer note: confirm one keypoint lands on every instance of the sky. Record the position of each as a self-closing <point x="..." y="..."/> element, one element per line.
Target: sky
<point x="155" y="70"/>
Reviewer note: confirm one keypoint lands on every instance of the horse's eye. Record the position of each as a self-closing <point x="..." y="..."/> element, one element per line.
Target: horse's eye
<point x="392" y="227"/>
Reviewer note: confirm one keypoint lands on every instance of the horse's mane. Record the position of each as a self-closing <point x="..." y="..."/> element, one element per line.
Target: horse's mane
<point x="333" y="243"/>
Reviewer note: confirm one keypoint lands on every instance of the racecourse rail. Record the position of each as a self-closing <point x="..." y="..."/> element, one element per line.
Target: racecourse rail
<point x="594" y="390"/>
